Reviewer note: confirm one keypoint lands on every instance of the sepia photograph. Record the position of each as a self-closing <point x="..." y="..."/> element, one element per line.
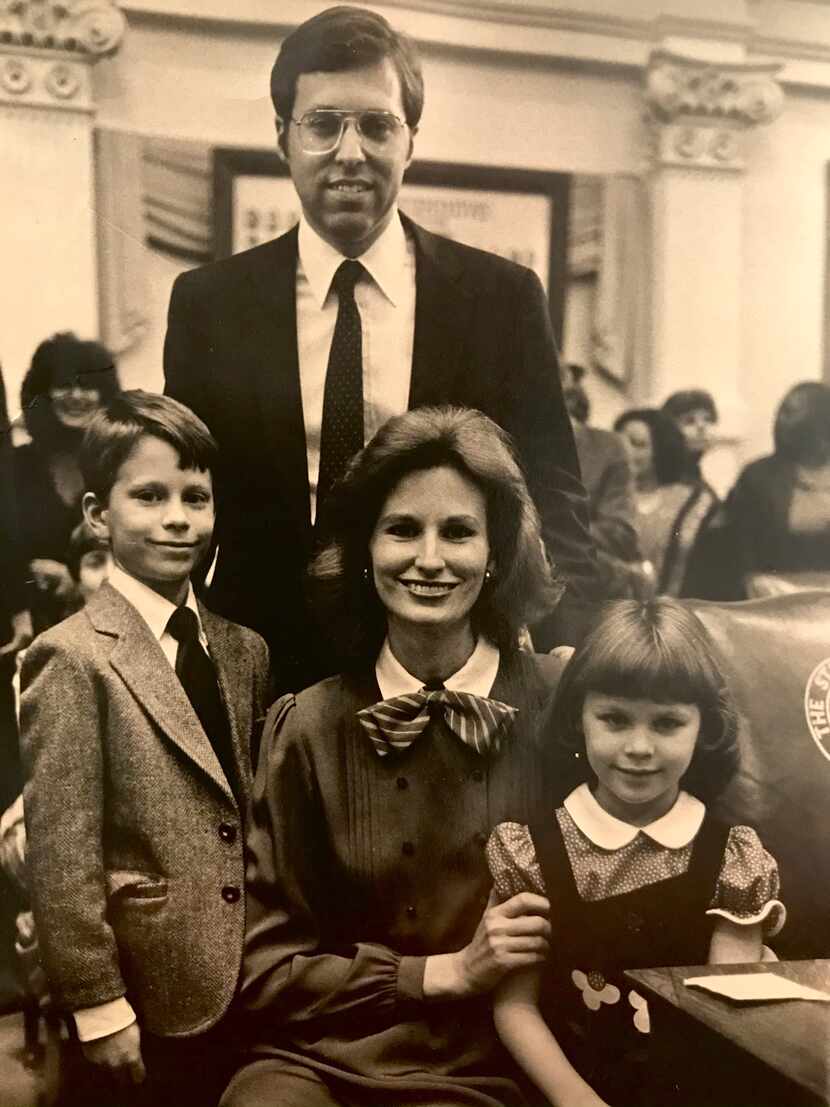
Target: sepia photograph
<point x="415" y="547"/>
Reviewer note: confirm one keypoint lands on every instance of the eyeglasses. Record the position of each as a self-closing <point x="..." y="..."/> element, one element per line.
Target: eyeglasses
<point x="322" y="129"/>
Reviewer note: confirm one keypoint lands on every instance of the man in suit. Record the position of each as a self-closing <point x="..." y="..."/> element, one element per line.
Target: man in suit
<point x="296" y="351"/>
<point x="609" y="484"/>
<point x="136" y="721"/>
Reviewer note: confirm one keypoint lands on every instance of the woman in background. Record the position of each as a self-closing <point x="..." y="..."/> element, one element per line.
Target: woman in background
<point x="671" y="513"/>
<point x="68" y="380"/>
<point x="778" y="513"/>
<point x="372" y="946"/>
<point x="694" y="412"/>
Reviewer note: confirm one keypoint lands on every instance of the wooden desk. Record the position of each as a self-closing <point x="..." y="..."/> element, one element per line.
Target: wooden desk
<point x="710" y="1051"/>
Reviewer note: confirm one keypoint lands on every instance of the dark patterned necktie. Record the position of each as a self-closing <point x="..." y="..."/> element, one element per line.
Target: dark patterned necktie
<point x="197" y="674"/>
<point x="341" y="431"/>
<point x="394" y="724"/>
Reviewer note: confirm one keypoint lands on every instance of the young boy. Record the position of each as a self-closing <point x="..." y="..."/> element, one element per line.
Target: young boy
<point x="136" y="721"/>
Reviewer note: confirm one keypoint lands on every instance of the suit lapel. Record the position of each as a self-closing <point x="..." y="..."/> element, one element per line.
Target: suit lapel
<point x="277" y="384"/>
<point x="443" y="311"/>
<point x="232" y="672"/>
<point x="140" y="662"/>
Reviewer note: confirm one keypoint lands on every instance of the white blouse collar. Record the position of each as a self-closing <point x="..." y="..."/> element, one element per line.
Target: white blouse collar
<point x="673" y="830"/>
<point x="477" y="675"/>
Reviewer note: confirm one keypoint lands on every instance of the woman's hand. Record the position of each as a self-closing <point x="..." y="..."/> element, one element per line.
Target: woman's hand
<point x="510" y="935"/>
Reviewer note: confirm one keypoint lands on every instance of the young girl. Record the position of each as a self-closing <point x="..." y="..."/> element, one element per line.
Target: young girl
<point x="637" y="872"/>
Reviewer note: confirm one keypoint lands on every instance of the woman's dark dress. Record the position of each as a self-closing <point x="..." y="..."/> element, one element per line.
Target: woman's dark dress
<point x="363" y="866"/>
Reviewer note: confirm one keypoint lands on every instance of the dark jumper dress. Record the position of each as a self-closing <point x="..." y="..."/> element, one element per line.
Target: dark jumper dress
<point x="663" y="923"/>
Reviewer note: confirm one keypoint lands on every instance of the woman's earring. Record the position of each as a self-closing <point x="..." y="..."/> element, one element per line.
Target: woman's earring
<point x="366" y="575"/>
<point x="488" y="575"/>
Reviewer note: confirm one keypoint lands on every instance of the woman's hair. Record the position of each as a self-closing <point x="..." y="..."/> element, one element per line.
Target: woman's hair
<point x="670" y="452"/>
<point x="805" y="435"/>
<point x="341" y="39"/>
<point x="690" y="399"/>
<point x="115" y="431"/>
<point x="521" y="588"/>
<point x="655" y="650"/>
<point x="59" y="362"/>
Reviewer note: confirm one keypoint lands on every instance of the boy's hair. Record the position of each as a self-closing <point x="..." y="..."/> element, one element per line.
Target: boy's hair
<point x="340" y="39"/>
<point x="522" y="587"/>
<point x="81" y="541"/>
<point x="114" y="432"/>
<point x="655" y="650"/>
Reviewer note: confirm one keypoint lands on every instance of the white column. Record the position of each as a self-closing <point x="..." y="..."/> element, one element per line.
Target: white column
<point x="47" y="229"/>
<point x="699" y="118"/>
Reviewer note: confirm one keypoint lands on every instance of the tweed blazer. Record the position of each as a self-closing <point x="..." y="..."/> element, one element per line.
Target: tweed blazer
<point x="134" y="834"/>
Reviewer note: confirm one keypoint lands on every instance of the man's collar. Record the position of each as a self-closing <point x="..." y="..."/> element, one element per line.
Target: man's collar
<point x="673" y="830"/>
<point x="154" y="609"/>
<point x="387" y="261"/>
<point x="477" y="675"/>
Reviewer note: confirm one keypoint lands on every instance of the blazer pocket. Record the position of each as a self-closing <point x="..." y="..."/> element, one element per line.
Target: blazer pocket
<point x="124" y="884"/>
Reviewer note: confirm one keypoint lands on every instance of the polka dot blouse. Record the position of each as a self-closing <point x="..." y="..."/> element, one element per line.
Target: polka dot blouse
<point x="746" y="891"/>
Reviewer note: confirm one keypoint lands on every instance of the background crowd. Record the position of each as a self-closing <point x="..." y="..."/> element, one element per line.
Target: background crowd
<point x="398" y="421"/>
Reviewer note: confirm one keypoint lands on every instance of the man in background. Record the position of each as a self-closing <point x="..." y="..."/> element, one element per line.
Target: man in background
<point x="609" y="483"/>
<point x="297" y="351"/>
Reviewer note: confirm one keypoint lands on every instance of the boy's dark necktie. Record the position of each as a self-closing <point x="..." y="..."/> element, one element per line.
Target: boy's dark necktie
<point x="196" y="671"/>
<point x="341" y="430"/>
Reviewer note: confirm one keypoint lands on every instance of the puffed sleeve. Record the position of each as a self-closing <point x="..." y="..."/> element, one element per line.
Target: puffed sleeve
<point x="748" y="884"/>
<point x="292" y="971"/>
<point x="512" y="860"/>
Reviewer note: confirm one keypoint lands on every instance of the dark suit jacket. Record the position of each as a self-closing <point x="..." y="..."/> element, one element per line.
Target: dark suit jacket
<point x="483" y="339"/>
<point x="134" y="834"/>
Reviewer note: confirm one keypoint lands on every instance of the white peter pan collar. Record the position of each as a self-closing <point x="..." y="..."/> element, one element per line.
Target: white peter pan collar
<point x="477" y="675"/>
<point x="673" y="830"/>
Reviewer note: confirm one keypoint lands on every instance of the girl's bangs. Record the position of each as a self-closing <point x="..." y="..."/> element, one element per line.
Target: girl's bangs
<point x="648" y="671"/>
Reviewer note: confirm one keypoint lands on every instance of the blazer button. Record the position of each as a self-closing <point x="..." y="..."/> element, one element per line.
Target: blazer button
<point x="227" y="832"/>
<point x="477" y="775"/>
<point x="230" y="893"/>
<point x="634" y="922"/>
<point x="402" y="783"/>
<point x="411" y="912"/>
<point x="407" y="849"/>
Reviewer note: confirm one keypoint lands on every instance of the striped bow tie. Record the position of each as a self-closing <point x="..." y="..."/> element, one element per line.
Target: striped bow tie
<point x="395" y="724"/>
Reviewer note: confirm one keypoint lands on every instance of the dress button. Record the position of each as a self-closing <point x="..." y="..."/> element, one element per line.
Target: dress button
<point x="477" y="775"/>
<point x="480" y="839"/>
<point x="402" y="783"/>
<point x="411" y="912"/>
<point x="407" y="849"/>
<point x="230" y="893"/>
<point x="634" y="922"/>
<point x="227" y="832"/>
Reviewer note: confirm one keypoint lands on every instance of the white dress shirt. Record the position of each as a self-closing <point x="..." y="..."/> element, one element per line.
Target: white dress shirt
<point x="386" y="303"/>
<point x="117" y="1014"/>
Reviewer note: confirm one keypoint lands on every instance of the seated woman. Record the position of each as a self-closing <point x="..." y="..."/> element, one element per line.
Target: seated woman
<point x="778" y="513"/>
<point x="372" y="944"/>
<point x="671" y="513"/>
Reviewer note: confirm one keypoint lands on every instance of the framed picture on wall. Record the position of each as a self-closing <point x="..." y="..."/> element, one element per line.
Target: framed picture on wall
<point x="519" y="214"/>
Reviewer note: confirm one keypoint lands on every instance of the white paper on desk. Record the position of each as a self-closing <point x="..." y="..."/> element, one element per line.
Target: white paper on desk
<point x="755" y="987"/>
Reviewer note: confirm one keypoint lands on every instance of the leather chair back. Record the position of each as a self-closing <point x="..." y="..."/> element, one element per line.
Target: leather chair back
<point x="777" y="653"/>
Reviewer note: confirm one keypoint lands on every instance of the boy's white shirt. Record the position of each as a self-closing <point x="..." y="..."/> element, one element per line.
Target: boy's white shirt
<point x="117" y="1014"/>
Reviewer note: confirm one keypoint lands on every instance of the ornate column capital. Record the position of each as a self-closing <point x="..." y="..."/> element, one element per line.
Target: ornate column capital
<point x="699" y="111"/>
<point x="47" y="47"/>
